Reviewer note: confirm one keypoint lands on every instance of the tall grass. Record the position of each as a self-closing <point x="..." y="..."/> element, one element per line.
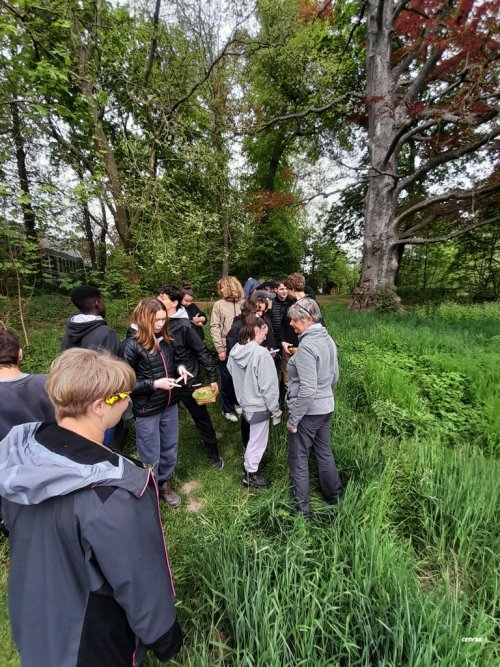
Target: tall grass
<point x="406" y="566"/>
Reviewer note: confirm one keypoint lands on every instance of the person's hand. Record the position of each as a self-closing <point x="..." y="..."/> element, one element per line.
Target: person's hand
<point x="285" y="346"/>
<point x="214" y="387"/>
<point x="184" y="374"/>
<point x="198" y="321"/>
<point x="277" y="414"/>
<point x="222" y="356"/>
<point x="166" y="384"/>
<point x="291" y="429"/>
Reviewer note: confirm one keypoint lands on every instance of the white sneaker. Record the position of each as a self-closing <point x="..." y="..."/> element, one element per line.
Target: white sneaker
<point x="230" y="416"/>
<point x="238" y="410"/>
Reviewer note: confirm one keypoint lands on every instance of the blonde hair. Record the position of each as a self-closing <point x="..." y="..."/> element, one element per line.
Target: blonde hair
<point x="144" y="317"/>
<point x="230" y="287"/>
<point x="78" y="377"/>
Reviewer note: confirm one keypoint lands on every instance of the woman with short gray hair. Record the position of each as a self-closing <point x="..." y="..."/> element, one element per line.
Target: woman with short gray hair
<point x="312" y="376"/>
<point x="303" y="307"/>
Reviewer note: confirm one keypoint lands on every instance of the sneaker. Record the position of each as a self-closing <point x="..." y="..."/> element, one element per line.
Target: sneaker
<point x="238" y="410"/>
<point x="167" y="494"/>
<point x="252" y="480"/>
<point x="217" y="460"/>
<point x="230" y="416"/>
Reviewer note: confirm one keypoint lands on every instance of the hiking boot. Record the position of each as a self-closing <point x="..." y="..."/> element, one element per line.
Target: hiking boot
<point x="217" y="460"/>
<point x="252" y="480"/>
<point x="230" y="416"/>
<point x="167" y="494"/>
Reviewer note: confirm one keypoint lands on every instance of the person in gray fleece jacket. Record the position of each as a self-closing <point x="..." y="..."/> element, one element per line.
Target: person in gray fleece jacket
<point x="312" y="375"/>
<point x="256" y="385"/>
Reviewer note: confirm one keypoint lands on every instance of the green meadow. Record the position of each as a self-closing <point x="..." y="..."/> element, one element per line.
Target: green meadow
<point x="404" y="571"/>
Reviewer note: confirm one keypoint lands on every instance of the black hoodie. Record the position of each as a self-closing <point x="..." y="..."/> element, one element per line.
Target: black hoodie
<point x="90" y="332"/>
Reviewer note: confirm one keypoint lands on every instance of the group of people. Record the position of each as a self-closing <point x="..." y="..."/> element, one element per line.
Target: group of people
<point x="278" y="330"/>
<point x="83" y="519"/>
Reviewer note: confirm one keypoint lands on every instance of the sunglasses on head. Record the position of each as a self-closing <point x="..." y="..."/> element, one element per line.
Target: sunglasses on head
<point x="301" y="306"/>
<point x="119" y="396"/>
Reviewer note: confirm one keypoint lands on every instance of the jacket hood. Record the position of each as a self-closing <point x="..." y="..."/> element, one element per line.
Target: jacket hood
<point x="42" y="461"/>
<point x="316" y="330"/>
<point x="243" y="354"/>
<point x="180" y="314"/>
<point x="80" y="325"/>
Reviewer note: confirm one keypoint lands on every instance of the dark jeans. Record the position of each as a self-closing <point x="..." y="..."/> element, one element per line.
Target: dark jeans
<point x="226" y="388"/>
<point x="200" y="416"/>
<point x="313" y="432"/>
<point x="157" y="437"/>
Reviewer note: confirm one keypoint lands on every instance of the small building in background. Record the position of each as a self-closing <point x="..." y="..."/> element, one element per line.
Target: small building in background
<point x="59" y="262"/>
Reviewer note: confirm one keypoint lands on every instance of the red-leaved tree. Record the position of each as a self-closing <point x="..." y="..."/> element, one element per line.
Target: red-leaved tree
<point x="432" y="101"/>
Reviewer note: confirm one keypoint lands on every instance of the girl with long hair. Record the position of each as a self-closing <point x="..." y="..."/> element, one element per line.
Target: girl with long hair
<point x="150" y="351"/>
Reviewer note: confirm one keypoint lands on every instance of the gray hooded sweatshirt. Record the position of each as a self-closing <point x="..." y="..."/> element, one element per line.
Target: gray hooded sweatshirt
<point x="89" y="580"/>
<point x="254" y="377"/>
<point x="313" y="372"/>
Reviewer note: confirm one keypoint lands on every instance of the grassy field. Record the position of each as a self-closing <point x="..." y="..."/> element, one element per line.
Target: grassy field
<point x="405" y="568"/>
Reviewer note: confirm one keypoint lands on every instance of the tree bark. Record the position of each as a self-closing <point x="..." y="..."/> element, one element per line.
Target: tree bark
<point x="26" y="207"/>
<point x="380" y="255"/>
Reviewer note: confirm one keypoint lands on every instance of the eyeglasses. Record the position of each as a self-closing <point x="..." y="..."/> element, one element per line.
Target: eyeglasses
<point x="119" y="396"/>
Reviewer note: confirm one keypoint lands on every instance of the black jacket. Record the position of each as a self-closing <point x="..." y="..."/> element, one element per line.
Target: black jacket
<point x="232" y="335"/>
<point x="91" y="334"/>
<point x="192" y="310"/>
<point x="189" y="349"/>
<point x="150" y="367"/>
<point x="278" y="312"/>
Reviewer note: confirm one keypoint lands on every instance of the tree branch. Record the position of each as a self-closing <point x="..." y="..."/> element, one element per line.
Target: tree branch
<point x="355" y="27"/>
<point x="154" y="43"/>
<point x="233" y="39"/>
<point x="447" y="237"/>
<point x="306" y="112"/>
<point x="403" y="136"/>
<point x="446" y="196"/>
<point x="52" y="131"/>
<point x="447" y="156"/>
<point x="324" y="195"/>
<point x="398" y="9"/>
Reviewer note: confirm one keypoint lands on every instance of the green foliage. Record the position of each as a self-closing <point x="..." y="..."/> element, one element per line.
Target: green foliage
<point x="120" y="280"/>
<point x="397" y="573"/>
<point x="387" y="302"/>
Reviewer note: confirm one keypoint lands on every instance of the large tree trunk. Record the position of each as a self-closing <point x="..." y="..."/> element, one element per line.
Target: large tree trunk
<point x="380" y="254"/>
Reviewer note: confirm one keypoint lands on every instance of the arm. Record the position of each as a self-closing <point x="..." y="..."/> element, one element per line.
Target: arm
<point x="270" y="338"/>
<point x="232" y="335"/>
<point x="128" y="352"/>
<point x="200" y="319"/>
<point x="111" y="342"/>
<point x="202" y="354"/>
<point x="215" y="330"/>
<point x="125" y="537"/>
<point x="267" y="380"/>
<point x="305" y="363"/>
